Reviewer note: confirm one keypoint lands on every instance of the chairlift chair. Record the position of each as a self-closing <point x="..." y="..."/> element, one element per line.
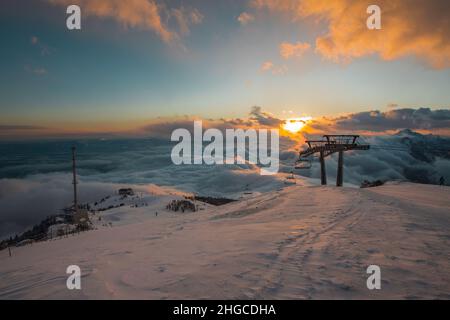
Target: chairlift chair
<point x="291" y="177"/>
<point x="290" y="180"/>
<point x="303" y="163"/>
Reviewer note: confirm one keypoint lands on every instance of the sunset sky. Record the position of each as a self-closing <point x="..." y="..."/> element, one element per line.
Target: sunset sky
<point x="137" y="60"/>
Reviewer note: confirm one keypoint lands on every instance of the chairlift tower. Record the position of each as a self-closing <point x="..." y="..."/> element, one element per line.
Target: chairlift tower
<point x="331" y="143"/>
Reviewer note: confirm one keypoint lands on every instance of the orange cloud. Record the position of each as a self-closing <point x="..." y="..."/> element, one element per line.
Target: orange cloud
<point x="266" y="66"/>
<point x="245" y="18"/>
<point x="185" y="18"/>
<point x="289" y="50"/>
<point x="409" y="28"/>
<point x="270" y="66"/>
<point x="146" y="14"/>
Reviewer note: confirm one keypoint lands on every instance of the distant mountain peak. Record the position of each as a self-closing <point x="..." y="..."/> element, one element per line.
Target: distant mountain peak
<point x="408" y="132"/>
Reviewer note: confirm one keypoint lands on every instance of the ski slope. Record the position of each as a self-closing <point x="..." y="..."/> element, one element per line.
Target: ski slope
<point x="300" y="242"/>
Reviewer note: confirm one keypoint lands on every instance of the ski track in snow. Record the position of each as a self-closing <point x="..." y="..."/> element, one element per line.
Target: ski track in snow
<point x="297" y="243"/>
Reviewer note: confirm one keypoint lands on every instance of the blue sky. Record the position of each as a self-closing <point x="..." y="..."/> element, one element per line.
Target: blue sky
<point x="116" y="75"/>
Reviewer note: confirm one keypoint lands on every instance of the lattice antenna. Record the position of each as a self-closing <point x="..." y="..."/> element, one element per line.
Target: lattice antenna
<point x="74" y="171"/>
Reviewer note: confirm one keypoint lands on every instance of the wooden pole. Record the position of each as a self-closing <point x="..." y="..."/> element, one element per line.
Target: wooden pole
<point x="340" y="172"/>
<point x="9" y="249"/>
<point x="323" y="172"/>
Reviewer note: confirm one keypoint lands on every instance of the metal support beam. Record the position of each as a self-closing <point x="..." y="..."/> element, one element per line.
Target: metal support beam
<point x="323" y="172"/>
<point x="340" y="172"/>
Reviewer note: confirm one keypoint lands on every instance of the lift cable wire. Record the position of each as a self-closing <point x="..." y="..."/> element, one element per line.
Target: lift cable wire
<point x="397" y="147"/>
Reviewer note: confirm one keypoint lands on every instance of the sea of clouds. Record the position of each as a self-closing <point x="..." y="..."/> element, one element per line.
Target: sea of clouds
<point x="35" y="178"/>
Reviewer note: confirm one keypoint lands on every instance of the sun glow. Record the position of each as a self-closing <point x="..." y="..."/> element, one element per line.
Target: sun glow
<point x="294" y="125"/>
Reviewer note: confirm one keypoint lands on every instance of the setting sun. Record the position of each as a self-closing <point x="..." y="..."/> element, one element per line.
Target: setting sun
<point x="294" y="125"/>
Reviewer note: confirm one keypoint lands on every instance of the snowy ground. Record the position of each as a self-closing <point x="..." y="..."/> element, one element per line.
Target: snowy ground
<point x="302" y="242"/>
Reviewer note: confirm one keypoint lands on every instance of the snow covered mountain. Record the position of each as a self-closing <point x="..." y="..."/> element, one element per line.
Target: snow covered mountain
<point x="299" y="242"/>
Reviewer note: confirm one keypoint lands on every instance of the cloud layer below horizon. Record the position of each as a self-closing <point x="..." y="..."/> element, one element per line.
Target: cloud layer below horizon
<point x="40" y="184"/>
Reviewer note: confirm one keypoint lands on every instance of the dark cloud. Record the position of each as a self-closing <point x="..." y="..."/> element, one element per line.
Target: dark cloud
<point x="422" y="118"/>
<point x="264" y="118"/>
<point x="164" y="128"/>
<point x="19" y="127"/>
<point x="257" y="117"/>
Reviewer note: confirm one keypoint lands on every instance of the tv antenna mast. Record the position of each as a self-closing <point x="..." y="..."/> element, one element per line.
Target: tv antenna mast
<point x="331" y="143"/>
<point x="74" y="182"/>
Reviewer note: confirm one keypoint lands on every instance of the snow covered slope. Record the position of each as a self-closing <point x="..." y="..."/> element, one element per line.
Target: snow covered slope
<point x="300" y="242"/>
